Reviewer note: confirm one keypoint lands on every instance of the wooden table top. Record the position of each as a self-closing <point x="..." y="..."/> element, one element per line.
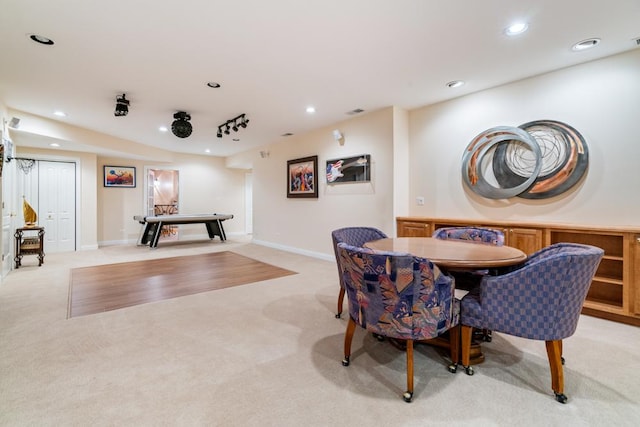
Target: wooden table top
<point x="452" y="253"/>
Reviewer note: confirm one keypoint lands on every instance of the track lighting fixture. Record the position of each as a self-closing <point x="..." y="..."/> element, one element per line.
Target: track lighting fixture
<point x="233" y="124"/>
<point x="122" y="106"/>
<point x="181" y="126"/>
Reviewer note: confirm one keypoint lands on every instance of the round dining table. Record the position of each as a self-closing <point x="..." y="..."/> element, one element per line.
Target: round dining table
<point x="452" y="254"/>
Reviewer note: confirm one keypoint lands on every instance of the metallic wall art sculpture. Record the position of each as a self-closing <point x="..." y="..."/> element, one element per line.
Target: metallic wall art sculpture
<point x="536" y="160"/>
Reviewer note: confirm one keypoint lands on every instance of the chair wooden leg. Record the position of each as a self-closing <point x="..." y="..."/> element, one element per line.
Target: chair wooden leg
<point x="348" y="337"/>
<point x="554" y="352"/>
<point x="454" y="348"/>
<point x="408" y="395"/>
<point x="466" y="332"/>
<point x="340" y="299"/>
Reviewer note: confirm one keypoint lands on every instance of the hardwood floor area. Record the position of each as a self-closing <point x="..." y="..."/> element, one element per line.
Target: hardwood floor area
<point x="113" y="286"/>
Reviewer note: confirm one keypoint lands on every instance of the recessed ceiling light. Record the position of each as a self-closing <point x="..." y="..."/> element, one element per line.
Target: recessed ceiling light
<point x="311" y="109"/>
<point x="213" y="85"/>
<point x="517" y="28"/>
<point x="163" y="128"/>
<point x="585" y="44"/>
<point x="60" y="113"/>
<point x="207" y="151"/>
<point x="40" y="39"/>
<point x="54" y="144"/>
<point x="455" y="83"/>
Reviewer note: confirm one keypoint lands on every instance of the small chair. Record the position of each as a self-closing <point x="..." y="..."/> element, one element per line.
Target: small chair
<point x="539" y="300"/>
<point x="471" y="234"/>
<point x="398" y="296"/>
<point x="354" y="236"/>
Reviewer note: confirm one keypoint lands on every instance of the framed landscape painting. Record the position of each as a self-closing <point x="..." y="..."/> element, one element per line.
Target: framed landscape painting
<point x="120" y="176"/>
<point x="302" y="177"/>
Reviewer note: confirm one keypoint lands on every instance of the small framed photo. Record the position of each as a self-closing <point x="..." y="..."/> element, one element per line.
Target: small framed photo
<point x="120" y="176"/>
<point x="302" y="177"/>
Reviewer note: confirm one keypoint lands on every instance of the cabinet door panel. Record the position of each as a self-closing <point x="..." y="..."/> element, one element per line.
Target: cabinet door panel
<point x="413" y="229"/>
<point x="528" y="240"/>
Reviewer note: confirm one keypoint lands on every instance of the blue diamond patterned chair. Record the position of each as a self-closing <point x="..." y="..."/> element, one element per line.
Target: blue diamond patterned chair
<point x="541" y="300"/>
<point x="471" y="234"/>
<point x="354" y="236"/>
<point x="399" y="296"/>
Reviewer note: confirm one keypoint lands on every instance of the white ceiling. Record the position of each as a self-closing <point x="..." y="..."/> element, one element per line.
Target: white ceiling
<point x="274" y="58"/>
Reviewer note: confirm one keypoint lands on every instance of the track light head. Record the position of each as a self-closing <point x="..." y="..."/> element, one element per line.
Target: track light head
<point x="122" y="106"/>
<point x="181" y="126"/>
<point x="233" y="124"/>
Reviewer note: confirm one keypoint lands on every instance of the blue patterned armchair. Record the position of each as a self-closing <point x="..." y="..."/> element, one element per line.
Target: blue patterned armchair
<point x="541" y="300"/>
<point x="471" y="234"/>
<point x="398" y="296"/>
<point x="354" y="236"/>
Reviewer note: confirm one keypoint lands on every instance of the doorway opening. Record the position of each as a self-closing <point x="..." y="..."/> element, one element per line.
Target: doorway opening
<point x="163" y="197"/>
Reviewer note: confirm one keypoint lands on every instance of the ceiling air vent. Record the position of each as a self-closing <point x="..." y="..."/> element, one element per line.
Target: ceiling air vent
<point x="287" y="134"/>
<point x="356" y="111"/>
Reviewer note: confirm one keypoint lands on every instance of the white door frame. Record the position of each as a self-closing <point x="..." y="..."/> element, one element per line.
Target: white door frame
<point x="78" y="167"/>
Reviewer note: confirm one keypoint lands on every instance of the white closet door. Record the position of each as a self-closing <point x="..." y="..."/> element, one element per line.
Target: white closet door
<point x="57" y="210"/>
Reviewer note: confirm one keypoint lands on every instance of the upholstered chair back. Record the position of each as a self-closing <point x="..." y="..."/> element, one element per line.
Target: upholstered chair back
<point x="471" y="234"/>
<point x="354" y="236"/>
<point x="397" y="295"/>
<point x="540" y="300"/>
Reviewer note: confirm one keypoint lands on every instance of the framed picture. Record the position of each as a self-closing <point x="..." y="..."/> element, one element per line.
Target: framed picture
<point x="119" y="176"/>
<point x="302" y="177"/>
<point x="349" y="169"/>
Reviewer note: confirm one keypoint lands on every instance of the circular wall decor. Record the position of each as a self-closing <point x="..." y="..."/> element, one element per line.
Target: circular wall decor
<point x="536" y="160"/>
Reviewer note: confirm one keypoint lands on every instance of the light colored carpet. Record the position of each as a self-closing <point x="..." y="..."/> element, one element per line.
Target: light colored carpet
<point x="258" y="355"/>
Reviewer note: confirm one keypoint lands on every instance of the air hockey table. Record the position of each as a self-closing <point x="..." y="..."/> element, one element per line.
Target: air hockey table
<point x="152" y="225"/>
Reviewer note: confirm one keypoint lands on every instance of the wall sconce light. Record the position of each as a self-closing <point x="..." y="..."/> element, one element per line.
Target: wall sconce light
<point x="233" y="124"/>
<point x="181" y="126"/>
<point x="14" y="123"/>
<point x="122" y="106"/>
<point x="338" y="136"/>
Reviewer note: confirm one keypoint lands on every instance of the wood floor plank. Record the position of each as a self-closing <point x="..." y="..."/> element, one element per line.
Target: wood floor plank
<point x="113" y="286"/>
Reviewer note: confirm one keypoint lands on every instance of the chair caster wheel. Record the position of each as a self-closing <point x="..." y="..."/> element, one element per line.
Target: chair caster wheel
<point x="487" y="338"/>
<point x="407" y="396"/>
<point x="453" y="368"/>
<point x="469" y="370"/>
<point x="338" y="315"/>
<point x="560" y="397"/>
<point x="378" y="337"/>
<point x="345" y="361"/>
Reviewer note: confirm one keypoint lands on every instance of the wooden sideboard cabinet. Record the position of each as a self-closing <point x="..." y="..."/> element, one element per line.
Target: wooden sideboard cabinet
<point x="615" y="290"/>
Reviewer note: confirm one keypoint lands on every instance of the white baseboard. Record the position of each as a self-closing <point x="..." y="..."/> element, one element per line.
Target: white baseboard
<point x="312" y="254"/>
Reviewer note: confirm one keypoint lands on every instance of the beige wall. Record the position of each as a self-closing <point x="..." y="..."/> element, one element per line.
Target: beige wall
<point x="206" y="186"/>
<point x="600" y="99"/>
<point x="306" y="224"/>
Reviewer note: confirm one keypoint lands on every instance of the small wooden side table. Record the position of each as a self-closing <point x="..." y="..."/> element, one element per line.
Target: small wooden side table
<point x="28" y="244"/>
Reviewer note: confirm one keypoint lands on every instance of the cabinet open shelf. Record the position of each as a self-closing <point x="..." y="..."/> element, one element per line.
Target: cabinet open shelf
<point x="615" y="290"/>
